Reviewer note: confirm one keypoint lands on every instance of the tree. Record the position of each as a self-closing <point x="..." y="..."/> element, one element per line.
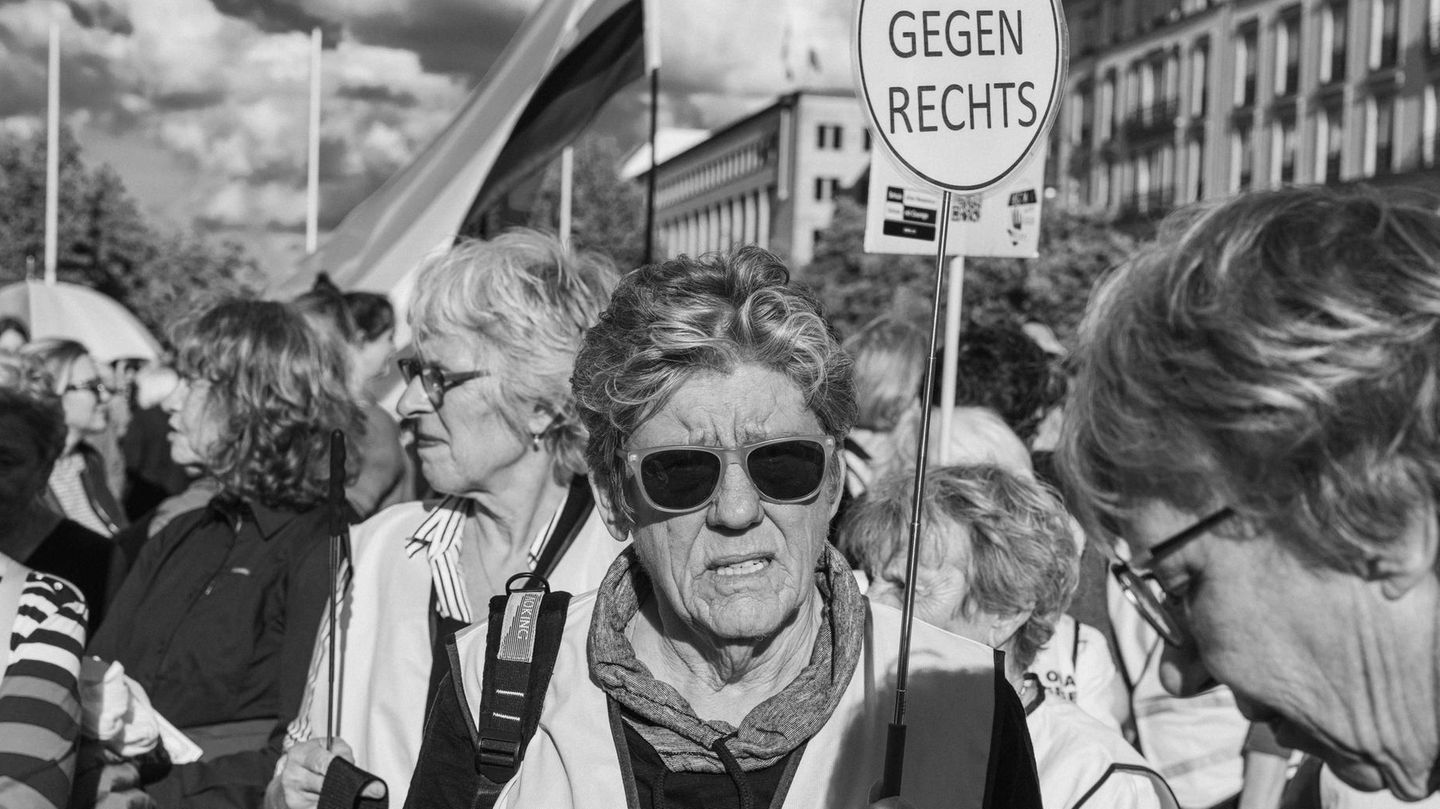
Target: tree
<point x="1076" y="249"/>
<point x="103" y="240"/>
<point x="607" y="211"/>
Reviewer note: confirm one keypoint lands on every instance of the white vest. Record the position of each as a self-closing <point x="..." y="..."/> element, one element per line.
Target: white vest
<point x="1081" y="759"/>
<point x="385" y="650"/>
<point x="572" y="760"/>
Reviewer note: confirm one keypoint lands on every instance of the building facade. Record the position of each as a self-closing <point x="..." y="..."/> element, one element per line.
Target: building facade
<point x="1171" y="101"/>
<point x="768" y="179"/>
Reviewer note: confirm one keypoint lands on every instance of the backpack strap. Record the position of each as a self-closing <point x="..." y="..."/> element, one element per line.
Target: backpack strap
<point x="579" y="502"/>
<point x="526" y="625"/>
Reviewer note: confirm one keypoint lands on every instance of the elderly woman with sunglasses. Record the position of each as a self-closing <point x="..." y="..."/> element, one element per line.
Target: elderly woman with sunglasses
<point x="496" y="326"/>
<point x="1255" y="422"/>
<point x="728" y="658"/>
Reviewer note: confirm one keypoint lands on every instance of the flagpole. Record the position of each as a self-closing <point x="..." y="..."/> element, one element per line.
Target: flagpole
<point x="52" y="159"/>
<point x="950" y="373"/>
<point x="654" y="161"/>
<point x="567" y="193"/>
<point x="312" y="180"/>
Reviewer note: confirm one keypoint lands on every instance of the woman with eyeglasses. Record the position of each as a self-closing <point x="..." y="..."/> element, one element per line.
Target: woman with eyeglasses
<point x="496" y="327"/>
<point x="728" y="658"/>
<point x="1254" y="427"/>
<point x="32" y="436"/>
<point x="218" y="616"/>
<point x="78" y="486"/>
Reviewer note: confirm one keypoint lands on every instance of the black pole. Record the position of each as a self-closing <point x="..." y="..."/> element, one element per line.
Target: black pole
<point x="895" y="737"/>
<point x="654" y="161"/>
<point x="339" y="532"/>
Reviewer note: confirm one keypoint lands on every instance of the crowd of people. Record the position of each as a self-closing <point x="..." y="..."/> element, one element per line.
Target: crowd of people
<point x="643" y="537"/>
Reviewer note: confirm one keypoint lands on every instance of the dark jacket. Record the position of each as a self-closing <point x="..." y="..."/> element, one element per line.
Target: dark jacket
<point x="217" y="620"/>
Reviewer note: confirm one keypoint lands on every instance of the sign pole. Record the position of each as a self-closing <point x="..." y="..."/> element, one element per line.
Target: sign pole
<point x="895" y="738"/>
<point x="961" y="98"/>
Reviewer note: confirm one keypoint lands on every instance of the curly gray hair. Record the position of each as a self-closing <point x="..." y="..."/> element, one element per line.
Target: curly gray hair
<point x="670" y="321"/>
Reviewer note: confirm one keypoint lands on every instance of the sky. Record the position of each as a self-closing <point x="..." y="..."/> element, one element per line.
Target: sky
<point x="201" y="105"/>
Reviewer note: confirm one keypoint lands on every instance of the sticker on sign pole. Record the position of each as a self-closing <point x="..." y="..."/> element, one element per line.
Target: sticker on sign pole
<point x="962" y="94"/>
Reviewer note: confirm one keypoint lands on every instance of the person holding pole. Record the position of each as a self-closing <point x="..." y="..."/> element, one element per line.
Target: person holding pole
<point x="999" y="564"/>
<point x="218" y="615"/>
<point x="497" y="324"/>
<point x="728" y="658"/>
<point x="1254" y="429"/>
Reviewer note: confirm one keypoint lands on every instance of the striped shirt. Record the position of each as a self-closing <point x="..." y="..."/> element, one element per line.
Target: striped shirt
<point x="39" y="703"/>
<point x="68" y="485"/>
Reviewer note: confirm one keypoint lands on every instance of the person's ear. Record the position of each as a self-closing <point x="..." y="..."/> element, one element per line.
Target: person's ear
<point x="1004" y="628"/>
<point x="543" y="419"/>
<point x="614" y="519"/>
<point x="1411" y="558"/>
<point x="843" y="469"/>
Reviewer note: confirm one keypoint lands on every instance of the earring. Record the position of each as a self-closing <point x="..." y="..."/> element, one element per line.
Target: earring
<point x="535" y="441"/>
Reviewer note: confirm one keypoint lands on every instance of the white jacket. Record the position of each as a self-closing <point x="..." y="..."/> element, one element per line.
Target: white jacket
<point x="572" y="760"/>
<point x="385" y="649"/>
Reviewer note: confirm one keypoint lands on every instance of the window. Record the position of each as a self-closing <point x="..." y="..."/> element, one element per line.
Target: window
<point x="1107" y="106"/>
<point x="1082" y="108"/>
<point x="1334" y="39"/>
<point x="829" y="136"/>
<point x="1380" y="132"/>
<point x="1282" y="152"/>
<point x="1384" y="33"/>
<point x="1432" y="28"/>
<point x="1195" y="166"/>
<point x="1287" y="52"/>
<point x="825" y="188"/>
<point x="1428" y="123"/>
<point x="1243" y="161"/>
<point x="1332" y="144"/>
<point x="1199" y="84"/>
<point x="1245" y="66"/>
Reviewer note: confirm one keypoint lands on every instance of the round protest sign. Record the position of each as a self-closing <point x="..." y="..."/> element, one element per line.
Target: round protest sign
<point x="961" y="92"/>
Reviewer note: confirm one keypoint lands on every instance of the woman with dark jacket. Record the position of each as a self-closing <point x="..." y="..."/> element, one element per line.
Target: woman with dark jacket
<point x="218" y="616"/>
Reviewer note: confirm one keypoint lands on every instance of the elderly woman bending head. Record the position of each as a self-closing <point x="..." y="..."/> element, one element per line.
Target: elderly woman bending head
<point x="720" y="661"/>
<point x="1255" y="423"/>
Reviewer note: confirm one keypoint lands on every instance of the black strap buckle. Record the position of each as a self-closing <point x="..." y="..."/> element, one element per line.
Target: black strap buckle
<point x="534" y="578"/>
<point x="493" y="752"/>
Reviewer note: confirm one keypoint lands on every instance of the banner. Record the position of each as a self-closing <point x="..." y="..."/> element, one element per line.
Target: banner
<point x="421" y="208"/>
<point x="902" y="216"/>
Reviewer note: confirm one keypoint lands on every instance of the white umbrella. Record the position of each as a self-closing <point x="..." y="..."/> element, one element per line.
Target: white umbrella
<point x="79" y="313"/>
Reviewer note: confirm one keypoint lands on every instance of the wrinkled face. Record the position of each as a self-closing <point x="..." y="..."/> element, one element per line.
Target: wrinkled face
<point x="195" y="425"/>
<point x="1333" y="663"/>
<point x="465" y="446"/>
<point x="740" y="568"/>
<point x="85" y="411"/>
<point x="373" y="357"/>
<point x="22" y="475"/>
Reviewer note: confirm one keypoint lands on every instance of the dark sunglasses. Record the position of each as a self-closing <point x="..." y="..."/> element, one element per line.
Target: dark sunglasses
<point x="683" y="478"/>
<point x="434" y="379"/>
<point x="95" y="386"/>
